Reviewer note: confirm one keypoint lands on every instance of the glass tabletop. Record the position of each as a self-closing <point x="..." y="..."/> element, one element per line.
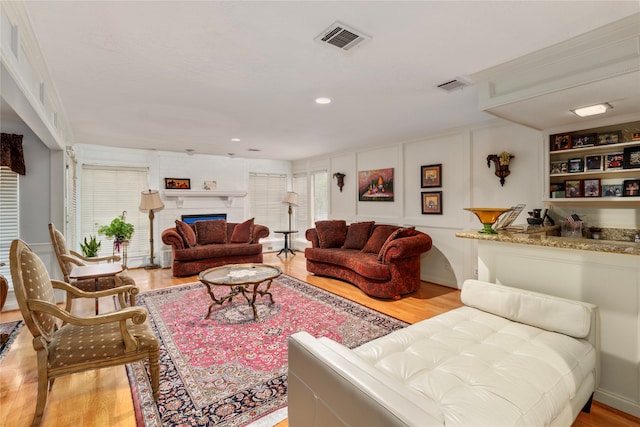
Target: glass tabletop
<point x="238" y="274"/>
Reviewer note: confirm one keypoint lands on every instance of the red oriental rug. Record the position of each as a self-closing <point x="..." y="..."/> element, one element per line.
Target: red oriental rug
<point x="229" y="370"/>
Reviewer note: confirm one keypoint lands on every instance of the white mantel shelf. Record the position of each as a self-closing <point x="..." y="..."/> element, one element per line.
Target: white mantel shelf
<point x="181" y="194"/>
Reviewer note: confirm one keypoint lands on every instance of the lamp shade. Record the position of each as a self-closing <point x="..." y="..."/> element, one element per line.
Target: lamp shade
<point x="150" y="201"/>
<point x="291" y="198"/>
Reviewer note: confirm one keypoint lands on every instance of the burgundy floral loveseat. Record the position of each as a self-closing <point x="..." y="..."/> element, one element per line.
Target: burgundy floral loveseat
<point x="382" y="260"/>
<point x="211" y="243"/>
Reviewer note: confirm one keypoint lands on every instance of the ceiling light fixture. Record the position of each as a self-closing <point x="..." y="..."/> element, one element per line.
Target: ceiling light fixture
<point x="592" y="110"/>
<point x="323" y="101"/>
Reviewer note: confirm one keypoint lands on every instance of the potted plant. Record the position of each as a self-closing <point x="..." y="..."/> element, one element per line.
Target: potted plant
<point x="90" y="249"/>
<point x="119" y="229"/>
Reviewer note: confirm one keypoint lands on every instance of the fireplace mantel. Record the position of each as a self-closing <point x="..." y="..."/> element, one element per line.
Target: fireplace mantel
<point x="181" y="194"/>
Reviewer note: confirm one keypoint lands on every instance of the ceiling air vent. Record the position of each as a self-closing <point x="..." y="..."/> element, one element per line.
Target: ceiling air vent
<point x="342" y="36"/>
<point x="454" y="85"/>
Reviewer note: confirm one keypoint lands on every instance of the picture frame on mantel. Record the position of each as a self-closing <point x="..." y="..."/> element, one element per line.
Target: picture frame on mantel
<point x="177" y="183"/>
<point x="431" y="176"/>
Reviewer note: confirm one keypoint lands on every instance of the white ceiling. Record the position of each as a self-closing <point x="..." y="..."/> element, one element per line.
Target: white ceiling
<point x="176" y="75"/>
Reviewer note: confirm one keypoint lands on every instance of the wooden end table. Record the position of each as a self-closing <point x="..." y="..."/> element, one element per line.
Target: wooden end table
<point x="95" y="272"/>
<point x="243" y="279"/>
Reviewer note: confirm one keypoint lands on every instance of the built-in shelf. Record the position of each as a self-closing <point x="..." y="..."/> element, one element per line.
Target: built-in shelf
<point x="182" y="194"/>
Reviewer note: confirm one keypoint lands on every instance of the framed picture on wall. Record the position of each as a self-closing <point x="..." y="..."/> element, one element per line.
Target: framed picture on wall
<point x="431" y="176"/>
<point x="177" y="183"/>
<point x="432" y="202"/>
<point x="375" y="185"/>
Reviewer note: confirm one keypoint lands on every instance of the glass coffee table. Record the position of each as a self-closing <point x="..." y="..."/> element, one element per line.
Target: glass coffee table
<point x="243" y="279"/>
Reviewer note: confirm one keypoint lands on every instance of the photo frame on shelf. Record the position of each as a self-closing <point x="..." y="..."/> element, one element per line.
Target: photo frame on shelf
<point x="431" y="176"/>
<point x="177" y="183"/>
<point x="559" y="167"/>
<point x="432" y="202"/>
<point x="587" y="140"/>
<point x="560" y="142"/>
<point x="556" y="190"/>
<point x="631" y="158"/>
<point x="591" y="187"/>
<point x="634" y="136"/>
<point x="210" y="185"/>
<point x="613" y="161"/>
<point x="593" y="163"/>
<point x="576" y="165"/>
<point x="608" y="138"/>
<point x="573" y="188"/>
<point x="631" y="188"/>
<point x="611" y="189"/>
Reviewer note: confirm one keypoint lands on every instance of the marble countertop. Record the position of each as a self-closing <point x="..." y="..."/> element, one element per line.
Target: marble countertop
<point x="523" y="238"/>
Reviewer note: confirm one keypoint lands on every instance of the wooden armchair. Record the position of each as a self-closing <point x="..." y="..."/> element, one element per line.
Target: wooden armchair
<point x="124" y="336"/>
<point x="69" y="258"/>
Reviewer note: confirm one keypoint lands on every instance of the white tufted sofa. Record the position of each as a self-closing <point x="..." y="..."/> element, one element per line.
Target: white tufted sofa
<point x="508" y="357"/>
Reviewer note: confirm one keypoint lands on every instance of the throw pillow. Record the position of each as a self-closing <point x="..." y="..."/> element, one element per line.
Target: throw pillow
<point x="186" y="232"/>
<point x="378" y="237"/>
<point x="243" y="233"/>
<point x="357" y="235"/>
<point x="398" y="234"/>
<point x="332" y="233"/>
<point x="211" y="231"/>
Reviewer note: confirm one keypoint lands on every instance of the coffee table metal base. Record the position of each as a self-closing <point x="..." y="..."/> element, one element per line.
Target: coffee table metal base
<point x="249" y="292"/>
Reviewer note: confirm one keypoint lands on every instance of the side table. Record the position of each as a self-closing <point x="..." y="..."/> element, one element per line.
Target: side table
<point x="286" y="248"/>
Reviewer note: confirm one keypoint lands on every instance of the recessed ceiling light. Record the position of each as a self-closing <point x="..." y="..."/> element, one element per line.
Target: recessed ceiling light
<point x="592" y="110"/>
<point x="235" y="139"/>
<point x="323" y="101"/>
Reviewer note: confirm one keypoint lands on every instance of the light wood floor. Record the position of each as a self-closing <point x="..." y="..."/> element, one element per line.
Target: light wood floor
<point x="103" y="398"/>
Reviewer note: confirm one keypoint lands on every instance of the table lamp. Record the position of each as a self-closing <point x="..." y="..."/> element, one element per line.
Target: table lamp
<point x="291" y="199"/>
<point x="150" y="201"/>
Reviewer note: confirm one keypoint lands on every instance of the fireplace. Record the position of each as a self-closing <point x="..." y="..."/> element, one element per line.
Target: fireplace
<point x="190" y="219"/>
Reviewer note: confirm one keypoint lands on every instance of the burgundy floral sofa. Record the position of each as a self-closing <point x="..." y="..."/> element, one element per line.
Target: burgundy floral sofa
<point x="211" y="243"/>
<point x="382" y="260"/>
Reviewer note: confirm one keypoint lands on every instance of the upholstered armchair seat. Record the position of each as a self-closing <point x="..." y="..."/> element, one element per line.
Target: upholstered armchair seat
<point x="66" y="343"/>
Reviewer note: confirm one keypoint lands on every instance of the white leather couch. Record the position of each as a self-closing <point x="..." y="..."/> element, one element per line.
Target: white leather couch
<point x="508" y="357"/>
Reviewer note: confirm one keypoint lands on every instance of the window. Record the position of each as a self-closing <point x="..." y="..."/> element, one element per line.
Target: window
<point x="301" y="219"/>
<point x="320" y="195"/>
<point x="266" y="192"/>
<point x="106" y="192"/>
<point x="9" y="217"/>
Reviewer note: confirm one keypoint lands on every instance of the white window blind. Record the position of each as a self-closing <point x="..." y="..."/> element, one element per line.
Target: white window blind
<point x="266" y="193"/>
<point x="9" y="217"/>
<point x="105" y="193"/>
<point x="320" y="196"/>
<point x="301" y="219"/>
<point x="71" y="198"/>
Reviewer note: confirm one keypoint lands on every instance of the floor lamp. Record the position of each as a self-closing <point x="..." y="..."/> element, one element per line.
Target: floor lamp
<point x="150" y="201"/>
<point x="291" y="199"/>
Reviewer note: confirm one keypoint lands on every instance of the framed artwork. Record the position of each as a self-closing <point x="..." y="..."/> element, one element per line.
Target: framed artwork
<point x="613" y="161"/>
<point x="609" y="138"/>
<point x="631" y="158"/>
<point x="375" y="185"/>
<point x="177" y="183"/>
<point x="635" y="136"/>
<point x="631" y="188"/>
<point x="559" y="167"/>
<point x="431" y="176"/>
<point x="587" y="140"/>
<point x="576" y="165"/>
<point x="210" y="185"/>
<point x="593" y="163"/>
<point x="556" y="190"/>
<point x="573" y="188"/>
<point x="611" y="190"/>
<point x="591" y="187"/>
<point x="560" y="142"/>
<point x="432" y="202"/>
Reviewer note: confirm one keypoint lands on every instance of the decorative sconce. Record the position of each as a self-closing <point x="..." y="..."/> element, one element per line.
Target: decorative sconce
<point x="501" y="163"/>
<point x="340" y="177"/>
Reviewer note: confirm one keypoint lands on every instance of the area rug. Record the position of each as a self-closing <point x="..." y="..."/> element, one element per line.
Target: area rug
<point x="9" y="330"/>
<point x="230" y="370"/>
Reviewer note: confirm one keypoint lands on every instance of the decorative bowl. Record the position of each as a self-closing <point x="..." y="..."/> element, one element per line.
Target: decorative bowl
<point x="488" y="217"/>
